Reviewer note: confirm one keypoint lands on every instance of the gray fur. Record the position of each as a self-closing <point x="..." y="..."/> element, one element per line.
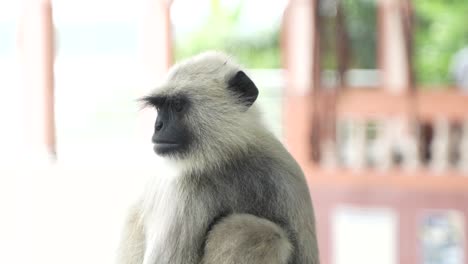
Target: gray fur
<point x="237" y="187"/>
<point x="260" y="241"/>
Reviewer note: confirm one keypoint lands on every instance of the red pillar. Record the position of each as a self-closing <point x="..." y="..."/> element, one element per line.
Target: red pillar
<point x="36" y="50"/>
<point x="393" y="57"/>
<point x="299" y="58"/>
<point x="156" y="38"/>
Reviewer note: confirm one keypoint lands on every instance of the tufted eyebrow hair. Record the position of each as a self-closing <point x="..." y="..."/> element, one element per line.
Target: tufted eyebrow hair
<point x="152" y="100"/>
<point x="157" y="101"/>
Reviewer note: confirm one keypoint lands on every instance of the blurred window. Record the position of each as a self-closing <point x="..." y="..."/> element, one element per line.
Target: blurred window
<point x="10" y="94"/>
<point x="376" y="229"/>
<point x="97" y="79"/>
<point x="442" y="237"/>
<point x="98" y="38"/>
<point x="8" y="34"/>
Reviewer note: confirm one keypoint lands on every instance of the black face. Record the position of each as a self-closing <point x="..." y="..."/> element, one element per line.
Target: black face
<point x="171" y="135"/>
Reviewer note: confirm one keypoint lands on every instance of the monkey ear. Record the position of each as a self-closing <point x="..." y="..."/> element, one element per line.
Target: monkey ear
<point x="242" y="85"/>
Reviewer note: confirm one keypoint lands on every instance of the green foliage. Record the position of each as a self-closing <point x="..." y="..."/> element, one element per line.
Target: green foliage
<point x="441" y="30"/>
<point x="361" y="25"/>
<point x="360" y="18"/>
<point x="221" y="32"/>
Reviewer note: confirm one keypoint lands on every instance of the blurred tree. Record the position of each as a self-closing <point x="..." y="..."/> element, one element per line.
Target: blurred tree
<point x="440" y="31"/>
<point x="356" y="20"/>
<point x="222" y="31"/>
<point x="361" y="25"/>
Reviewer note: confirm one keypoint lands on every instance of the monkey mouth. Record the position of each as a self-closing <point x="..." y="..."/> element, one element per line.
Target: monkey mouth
<point x="165" y="147"/>
<point x="165" y="142"/>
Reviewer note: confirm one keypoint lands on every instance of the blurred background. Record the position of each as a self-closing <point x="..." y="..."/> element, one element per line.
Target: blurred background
<point x="370" y="96"/>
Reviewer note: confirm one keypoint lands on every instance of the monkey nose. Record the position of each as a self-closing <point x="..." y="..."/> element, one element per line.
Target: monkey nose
<point x="159" y="125"/>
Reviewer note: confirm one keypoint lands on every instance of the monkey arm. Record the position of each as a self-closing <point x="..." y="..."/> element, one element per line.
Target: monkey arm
<point x="247" y="239"/>
<point x="132" y="246"/>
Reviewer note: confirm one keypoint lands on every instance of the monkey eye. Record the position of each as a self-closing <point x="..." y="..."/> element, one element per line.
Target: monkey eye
<point x="178" y="105"/>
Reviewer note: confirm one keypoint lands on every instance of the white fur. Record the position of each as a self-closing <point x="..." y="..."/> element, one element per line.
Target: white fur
<point x="160" y="204"/>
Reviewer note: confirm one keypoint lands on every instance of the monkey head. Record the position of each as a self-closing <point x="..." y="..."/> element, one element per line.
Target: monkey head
<point x="205" y="110"/>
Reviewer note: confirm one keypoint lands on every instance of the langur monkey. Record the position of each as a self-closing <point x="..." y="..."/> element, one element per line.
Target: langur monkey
<point x="234" y="194"/>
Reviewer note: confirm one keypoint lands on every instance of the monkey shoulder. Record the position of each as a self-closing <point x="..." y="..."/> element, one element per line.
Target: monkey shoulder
<point x="257" y="184"/>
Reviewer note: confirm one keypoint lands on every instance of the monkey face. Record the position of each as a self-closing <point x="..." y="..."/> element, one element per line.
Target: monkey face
<point x="204" y="110"/>
<point x="171" y="134"/>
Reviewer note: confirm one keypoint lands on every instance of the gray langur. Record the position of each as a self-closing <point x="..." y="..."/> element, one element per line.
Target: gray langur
<point x="233" y="194"/>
